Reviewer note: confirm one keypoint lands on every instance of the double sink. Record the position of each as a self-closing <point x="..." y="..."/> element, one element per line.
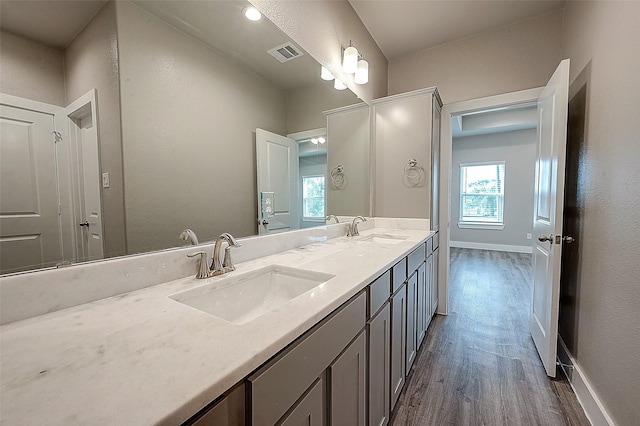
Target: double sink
<point x="242" y="298"/>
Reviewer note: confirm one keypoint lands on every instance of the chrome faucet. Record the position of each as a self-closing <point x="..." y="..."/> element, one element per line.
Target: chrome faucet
<point x="332" y="216"/>
<point x="353" y="227"/>
<point x="218" y="268"/>
<point x="187" y="235"/>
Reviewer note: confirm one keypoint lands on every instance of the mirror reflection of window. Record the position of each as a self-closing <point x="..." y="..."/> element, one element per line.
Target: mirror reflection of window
<point x="313" y="200"/>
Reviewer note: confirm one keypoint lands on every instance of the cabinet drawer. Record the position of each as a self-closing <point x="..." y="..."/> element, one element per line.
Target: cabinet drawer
<point x="279" y="384"/>
<point x="399" y="274"/>
<point x="415" y="259"/>
<point x="429" y="247"/>
<point x="379" y="292"/>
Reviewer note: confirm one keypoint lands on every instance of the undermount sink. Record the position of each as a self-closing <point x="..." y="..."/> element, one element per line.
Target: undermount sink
<point x="383" y="238"/>
<point x="244" y="297"/>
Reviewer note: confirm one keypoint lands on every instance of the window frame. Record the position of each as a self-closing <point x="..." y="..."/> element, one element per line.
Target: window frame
<point x="465" y="223"/>
<point x="302" y="198"/>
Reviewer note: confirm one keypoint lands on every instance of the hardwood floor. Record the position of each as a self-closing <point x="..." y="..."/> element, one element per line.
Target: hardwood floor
<point x="478" y="365"/>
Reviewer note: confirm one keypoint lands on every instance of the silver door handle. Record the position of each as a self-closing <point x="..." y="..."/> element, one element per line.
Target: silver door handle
<point x="568" y="240"/>
<point x="265" y="222"/>
<point x="542" y="238"/>
<point x="84" y="224"/>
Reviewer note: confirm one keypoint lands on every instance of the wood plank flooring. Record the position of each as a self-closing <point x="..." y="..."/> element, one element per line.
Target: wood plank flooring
<point x="478" y="365"/>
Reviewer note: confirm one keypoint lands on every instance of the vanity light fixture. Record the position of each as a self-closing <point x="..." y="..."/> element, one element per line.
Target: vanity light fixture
<point x="362" y="73"/>
<point x="317" y="141"/>
<point x="325" y="74"/>
<point x="350" y="59"/>
<point x="339" y="85"/>
<point x="251" y="13"/>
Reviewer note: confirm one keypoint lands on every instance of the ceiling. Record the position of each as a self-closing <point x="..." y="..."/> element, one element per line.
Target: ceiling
<point x="402" y="27"/>
<point x="218" y="24"/>
<point x="52" y="23"/>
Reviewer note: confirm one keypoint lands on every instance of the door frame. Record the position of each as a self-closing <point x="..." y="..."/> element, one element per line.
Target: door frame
<point x="446" y="146"/>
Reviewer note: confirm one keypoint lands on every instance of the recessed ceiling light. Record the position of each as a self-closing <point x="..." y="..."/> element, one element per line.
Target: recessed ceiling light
<point x="251" y="13"/>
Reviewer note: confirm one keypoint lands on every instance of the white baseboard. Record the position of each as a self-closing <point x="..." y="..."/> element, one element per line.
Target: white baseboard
<point x="494" y="247"/>
<point x="591" y="404"/>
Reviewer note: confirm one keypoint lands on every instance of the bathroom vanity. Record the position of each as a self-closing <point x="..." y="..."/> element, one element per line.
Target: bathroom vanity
<point x="162" y="354"/>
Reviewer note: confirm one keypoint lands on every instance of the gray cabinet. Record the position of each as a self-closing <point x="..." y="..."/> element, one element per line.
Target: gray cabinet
<point x="398" y="336"/>
<point x="276" y="386"/>
<point x="412" y="315"/>
<point x="423" y="303"/>
<point x="379" y="363"/>
<point x="229" y="411"/>
<point x="434" y="282"/>
<point x="348" y="390"/>
<point x="406" y="126"/>
<point x="309" y="411"/>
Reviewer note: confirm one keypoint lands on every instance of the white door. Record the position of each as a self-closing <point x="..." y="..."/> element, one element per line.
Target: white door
<point x="78" y="124"/>
<point x="277" y="172"/>
<point x="30" y="230"/>
<point x="547" y="220"/>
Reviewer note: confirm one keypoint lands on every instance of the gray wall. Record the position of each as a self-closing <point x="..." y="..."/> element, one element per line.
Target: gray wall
<point x="599" y="38"/>
<point x="323" y="28"/>
<point x="206" y="111"/>
<point x="31" y="70"/>
<point x="516" y="57"/>
<point x="305" y="105"/>
<point x="517" y="150"/>
<point x="91" y="61"/>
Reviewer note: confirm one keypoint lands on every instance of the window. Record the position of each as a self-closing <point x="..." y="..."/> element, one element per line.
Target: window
<point x="313" y="197"/>
<point x="482" y="195"/>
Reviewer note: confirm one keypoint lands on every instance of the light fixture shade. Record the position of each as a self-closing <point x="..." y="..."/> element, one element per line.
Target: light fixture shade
<point x="350" y="60"/>
<point x="339" y="85"/>
<point x="325" y="74"/>
<point x="251" y="13"/>
<point x="321" y="140"/>
<point x="362" y="73"/>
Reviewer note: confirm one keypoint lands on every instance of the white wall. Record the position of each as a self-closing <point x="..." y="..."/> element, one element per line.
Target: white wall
<point x="517" y="149"/>
<point x="185" y="96"/>
<point x="31" y="70"/>
<point x="91" y="61"/>
<point x="520" y="56"/>
<point x="601" y="39"/>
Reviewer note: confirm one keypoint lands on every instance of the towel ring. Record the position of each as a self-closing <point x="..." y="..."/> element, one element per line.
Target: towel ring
<point x="337" y="176"/>
<point x="413" y="171"/>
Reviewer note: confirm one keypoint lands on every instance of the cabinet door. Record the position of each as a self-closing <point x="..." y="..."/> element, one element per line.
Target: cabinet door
<point x="347" y="375"/>
<point x="398" y="335"/>
<point x="434" y="282"/>
<point x="227" y="412"/>
<point x="379" y="364"/>
<point x="428" y="274"/>
<point x="423" y="304"/>
<point x="412" y="287"/>
<point x="310" y="409"/>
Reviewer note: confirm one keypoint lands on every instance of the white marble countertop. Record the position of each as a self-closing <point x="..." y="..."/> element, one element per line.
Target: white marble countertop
<point x="141" y="358"/>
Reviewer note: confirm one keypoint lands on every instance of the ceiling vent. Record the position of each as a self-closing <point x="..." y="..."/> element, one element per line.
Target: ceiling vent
<point x="285" y="52"/>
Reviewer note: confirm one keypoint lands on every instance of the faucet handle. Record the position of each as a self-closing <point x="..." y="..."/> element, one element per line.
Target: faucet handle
<point x="227" y="263"/>
<point x="203" y="267"/>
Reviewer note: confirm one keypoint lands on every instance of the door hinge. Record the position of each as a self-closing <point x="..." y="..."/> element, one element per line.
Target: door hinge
<point x="59" y="209"/>
<point x="57" y="137"/>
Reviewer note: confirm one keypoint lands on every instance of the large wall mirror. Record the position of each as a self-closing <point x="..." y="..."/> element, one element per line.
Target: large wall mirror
<point x="126" y="122"/>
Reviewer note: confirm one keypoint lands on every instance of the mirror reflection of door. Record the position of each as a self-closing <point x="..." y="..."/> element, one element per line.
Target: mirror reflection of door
<point x="277" y="174"/>
<point x="50" y="209"/>
<point x="30" y="229"/>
